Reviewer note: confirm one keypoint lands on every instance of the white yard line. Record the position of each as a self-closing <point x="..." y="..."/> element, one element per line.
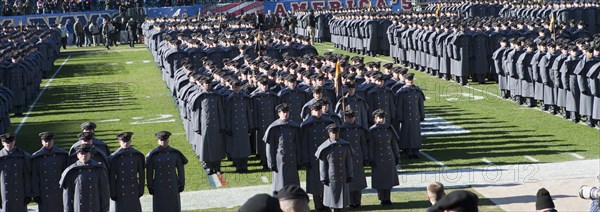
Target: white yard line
<point x="264" y="179"/>
<point x="433" y="159"/>
<point x="485" y="160"/>
<point x="532" y="159"/>
<point x="485" y="92"/>
<point x="18" y="129"/>
<point x="578" y="156"/>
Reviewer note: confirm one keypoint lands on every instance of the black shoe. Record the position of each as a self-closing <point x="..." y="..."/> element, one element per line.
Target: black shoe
<point x="553" y="110"/>
<point x="386" y="202"/>
<point x="565" y="114"/>
<point x="589" y="122"/>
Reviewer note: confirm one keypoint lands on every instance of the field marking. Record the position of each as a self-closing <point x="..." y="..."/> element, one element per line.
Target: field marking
<point x="109" y="120"/>
<point x="578" y="156"/>
<point x="130" y="50"/>
<point x="433" y="159"/>
<point x="146" y="61"/>
<point x="532" y="159"/>
<point x="18" y="129"/>
<point x="162" y="118"/>
<point x="129" y="62"/>
<point x="435" y="126"/>
<point x="489" y="93"/>
<point x="264" y="179"/>
<point x="485" y="160"/>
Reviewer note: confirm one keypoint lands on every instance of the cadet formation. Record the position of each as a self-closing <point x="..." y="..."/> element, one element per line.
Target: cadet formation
<point x="540" y="54"/>
<point x="27" y="55"/>
<point x="89" y="176"/>
<point x="242" y="91"/>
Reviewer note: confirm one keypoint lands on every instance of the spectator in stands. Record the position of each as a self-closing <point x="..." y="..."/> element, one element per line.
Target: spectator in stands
<point x="108" y="5"/>
<point x="87" y="5"/>
<point x="28" y="7"/>
<point x="41" y="4"/>
<point x="122" y="8"/>
<point x="64" y="6"/>
<point x="7" y="10"/>
<point x="73" y="6"/>
<point x="17" y="8"/>
<point x="435" y="192"/>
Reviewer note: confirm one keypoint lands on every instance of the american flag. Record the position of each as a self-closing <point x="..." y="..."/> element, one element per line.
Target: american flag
<point x="237" y="8"/>
<point x="192" y="11"/>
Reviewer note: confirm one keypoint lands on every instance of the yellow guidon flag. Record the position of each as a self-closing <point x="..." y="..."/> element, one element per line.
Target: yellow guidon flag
<point x="552" y="20"/>
<point x="338" y="73"/>
<point x="437" y="11"/>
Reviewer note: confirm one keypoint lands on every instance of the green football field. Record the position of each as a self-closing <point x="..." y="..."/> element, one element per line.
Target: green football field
<point x="122" y="90"/>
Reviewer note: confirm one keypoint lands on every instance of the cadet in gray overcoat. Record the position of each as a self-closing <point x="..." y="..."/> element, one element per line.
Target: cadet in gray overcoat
<point x="47" y="165"/>
<point x="127" y="175"/>
<point x="283" y="149"/>
<point x="15" y="168"/>
<point x="356" y="135"/>
<point x="335" y="165"/>
<point x="383" y="148"/>
<point x="165" y="175"/>
<point x="85" y="183"/>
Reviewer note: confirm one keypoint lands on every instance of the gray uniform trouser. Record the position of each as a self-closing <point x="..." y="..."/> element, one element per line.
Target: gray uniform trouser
<point x="318" y="200"/>
<point x="355" y="197"/>
<point x="383" y="194"/>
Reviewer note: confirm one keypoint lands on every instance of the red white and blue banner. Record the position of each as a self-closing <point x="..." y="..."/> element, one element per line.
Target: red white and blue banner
<point x="59" y="18"/>
<point x="191" y="11"/>
<point x="283" y="6"/>
<point x="235" y="9"/>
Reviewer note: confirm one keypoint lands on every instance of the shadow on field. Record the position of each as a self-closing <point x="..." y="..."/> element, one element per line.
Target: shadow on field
<point x="66" y="131"/>
<point x="94" y="97"/>
<point x="86" y="68"/>
<point x="489" y="138"/>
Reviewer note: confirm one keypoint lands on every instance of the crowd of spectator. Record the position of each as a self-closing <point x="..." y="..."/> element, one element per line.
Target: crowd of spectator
<point x="30" y="7"/>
